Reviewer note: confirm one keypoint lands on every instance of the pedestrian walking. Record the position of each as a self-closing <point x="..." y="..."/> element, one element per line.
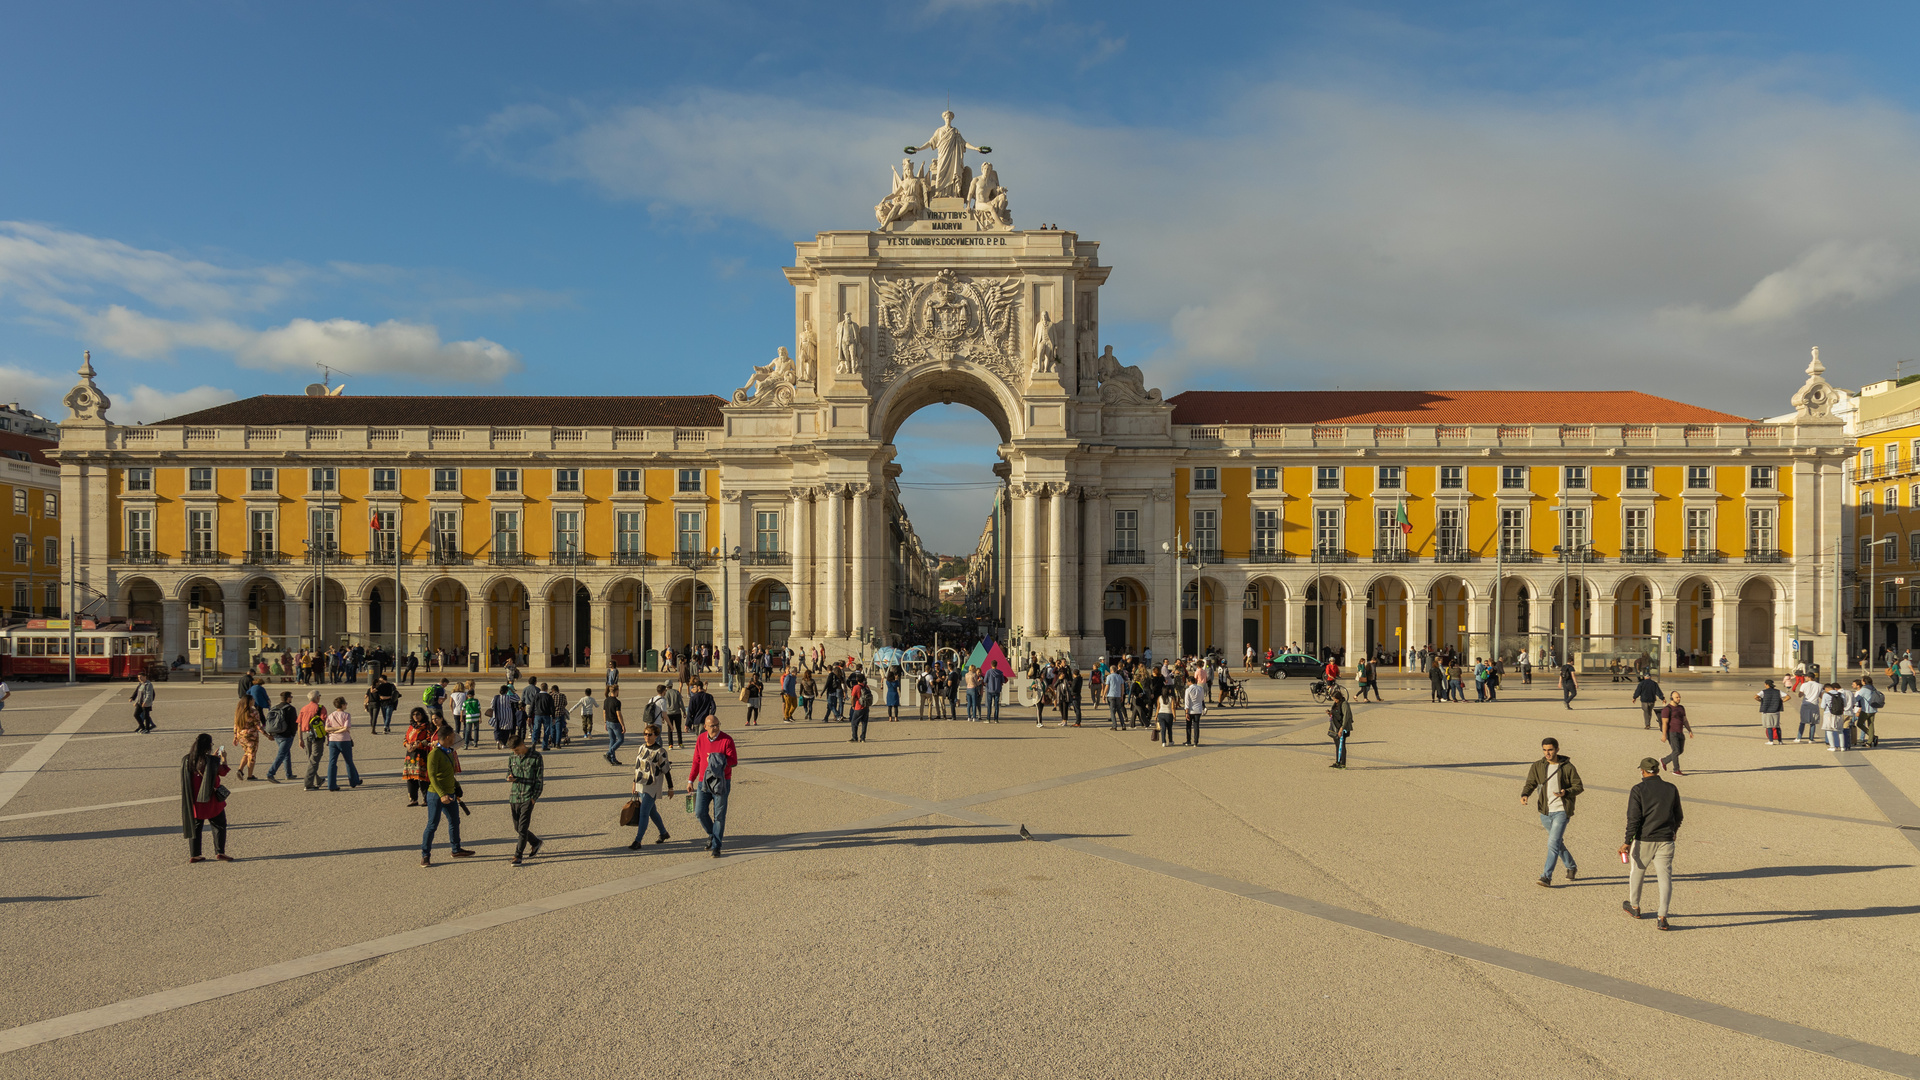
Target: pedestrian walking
<point x="993" y="680"/>
<point x="1569" y="686"/>
<point x="418" y="741"/>
<point x="859" y="707"/>
<point x="616" y="725"/>
<point x="1771" y="706"/>
<point x="246" y="734"/>
<point x="675" y="704"/>
<point x="203" y="798"/>
<point x="1653" y="823"/>
<point x="443" y="797"/>
<point x="1195" y="703"/>
<point x="1833" y="717"/>
<point x="711" y="779"/>
<point x="1674" y="726"/>
<point x="1163" y="716"/>
<point x="1647" y="694"/>
<point x="1867" y="703"/>
<point x="893" y="695"/>
<point x="751" y="694"/>
<point x="142" y="698"/>
<point x="313" y="736"/>
<point x="470" y="711"/>
<point x="1558" y="784"/>
<point x="1339" y="728"/>
<point x="283" y="723"/>
<point x="386" y="698"/>
<point x="340" y="745"/>
<point x="527" y="773"/>
<point x="1437" y="681"/>
<point x="699" y="706"/>
<point x="652" y="779"/>
<point x="5" y="693"/>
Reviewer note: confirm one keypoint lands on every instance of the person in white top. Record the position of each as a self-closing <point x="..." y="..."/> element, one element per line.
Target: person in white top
<point x="1809" y="710"/>
<point x="585" y="708"/>
<point x="1195" y="705"/>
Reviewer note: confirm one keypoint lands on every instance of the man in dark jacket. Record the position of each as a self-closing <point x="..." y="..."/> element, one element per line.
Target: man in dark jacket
<point x="1653" y="821"/>
<point x="1647" y="695"/>
<point x="1339" y="727"/>
<point x="1559" y="785"/>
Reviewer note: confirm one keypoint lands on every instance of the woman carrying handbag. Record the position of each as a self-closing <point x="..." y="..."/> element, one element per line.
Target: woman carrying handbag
<point x="652" y="779"/>
<point x="203" y="798"/>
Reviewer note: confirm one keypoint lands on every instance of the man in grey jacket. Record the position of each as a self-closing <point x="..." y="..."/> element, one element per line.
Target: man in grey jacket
<point x="1653" y="821"/>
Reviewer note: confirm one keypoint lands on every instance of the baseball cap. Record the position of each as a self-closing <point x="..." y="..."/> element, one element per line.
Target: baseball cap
<point x="1648" y="764"/>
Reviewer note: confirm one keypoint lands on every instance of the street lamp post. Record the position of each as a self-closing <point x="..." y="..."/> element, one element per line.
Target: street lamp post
<point x="1176" y="548"/>
<point x="1566" y="608"/>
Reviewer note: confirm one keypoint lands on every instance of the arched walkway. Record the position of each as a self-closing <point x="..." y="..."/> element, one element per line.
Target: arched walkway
<point x="1126" y="618"/>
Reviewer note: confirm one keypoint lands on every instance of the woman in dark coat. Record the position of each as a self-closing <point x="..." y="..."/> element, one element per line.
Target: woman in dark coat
<point x="203" y="798"/>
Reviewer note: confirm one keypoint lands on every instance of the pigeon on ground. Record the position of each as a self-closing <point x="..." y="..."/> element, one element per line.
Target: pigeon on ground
<point x="1024" y="834"/>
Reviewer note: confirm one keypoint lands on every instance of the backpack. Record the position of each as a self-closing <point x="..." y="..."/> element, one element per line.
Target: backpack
<point x="281" y="720"/>
<point x="1876" y="700"/>
<point x="430" y="696"/>
<point x="650" y="713"/>
<point x="1836" y="703"/>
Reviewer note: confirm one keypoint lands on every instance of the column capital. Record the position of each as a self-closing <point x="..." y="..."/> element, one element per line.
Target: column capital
<point x="1091" y="492"/>
<point x="1161" y="495"/>
<point x="802" y="494"/>
<point x="833" y="491"/>
<point x="730" y="496"/>
<point x="1058" y="488"/>
<point x="857" y="490"/>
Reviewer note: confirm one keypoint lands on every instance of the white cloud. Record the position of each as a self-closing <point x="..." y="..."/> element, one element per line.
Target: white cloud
<point x="1316" y="237"/>
<point x="391" y="348"/>
<point x="37" y="262"/>
<point x="38" y="392"/>
<point x="144" y="404"/>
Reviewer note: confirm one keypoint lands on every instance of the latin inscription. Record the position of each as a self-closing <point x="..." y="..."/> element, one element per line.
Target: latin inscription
<point x="944" y="241"/>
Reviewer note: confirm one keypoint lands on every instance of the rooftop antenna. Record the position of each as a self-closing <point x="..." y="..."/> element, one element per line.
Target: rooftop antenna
<point x="323" y="387"/>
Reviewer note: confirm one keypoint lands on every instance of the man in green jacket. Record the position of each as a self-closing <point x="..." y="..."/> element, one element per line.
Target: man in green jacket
<point x="1558" y="783"/>
<point x="528" y="771"/>
<point x="443" y="799"/>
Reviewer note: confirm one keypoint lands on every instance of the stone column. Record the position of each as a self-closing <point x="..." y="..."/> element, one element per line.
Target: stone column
<point x="864" y="557"/>
<point x="1726" y="626"/>
<point x="477" y="611"/>
<point x="1093" y="541"/>
<point x="356" y="627"/>
<point x="836" y="561"/>
<point x="660" y="617"/>
<point x="235" y="647"/>
<point x="1027" y="549"/>
<point x="1295" y="630"/>
<point x="1167" y="598"/>
<point x="419" y="626"/>
<point x="1417" y="614"/>
<point x="598" y="614"/>
<point x="1356" y="641"/>
<point x="539" y="638"/>
<point x="1057" y="559"/>
<point x="1665" y="613"/>
<point x="800" y="579"/>
<point x="296" y="627"/>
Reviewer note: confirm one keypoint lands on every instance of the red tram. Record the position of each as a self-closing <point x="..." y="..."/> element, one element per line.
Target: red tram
<point x="117" y="649"/>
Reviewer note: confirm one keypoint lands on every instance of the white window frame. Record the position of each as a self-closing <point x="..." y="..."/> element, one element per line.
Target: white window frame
<point x="566" y="532"/>
<point x="630" y="540"/>
<point x="1387" y="534"/>
<point x="506" y="532"/>
<point x="1574" y="478"/>
<point x="689" y="481"/>
<point x="1206" y="478"/>
<point x="1699" y="530"/>
<point x="1761" y="477"/>
<point x="1266" y="532"/>
<point x="1326" y="478"/>
<point x="50" y="506"/>
<point x="323" y="478"/>
<point x="139" y="532"/>
<point x="139" y="479"/>
<point x="1390" y="478"/>
<point x="1453" y="478"/>
<point x="1703" y="474"/>
<point x="630" y="480"/>
<point x="567" y="480"/>
<point x="689" y="532"/>
<point x="195" y="532"/>
<point x="1575" y="532"/>
<point x="255" y="476"/>
<point x="1636" y="478"/>
<point x="1126" y="530"/>
<point x="255" y="531"/>
<point x="1636" y="530"/>
<point x="1206" y="532"/>
<point x="766" y="537"/>
<point x="1266" y="478"/>
<point x="446" y="533"/>
<point x="1513" y="478"/>
<point x="506" y="480"/>
<point x="383" y="537"/>
<point x="446" y="480"/>
<point x="374" y="478"/>
<point x="1513" y="539"/>
<point x="1450" y="531"/>
<point x="197" y="475"/>
<point x="1328" y="530"/>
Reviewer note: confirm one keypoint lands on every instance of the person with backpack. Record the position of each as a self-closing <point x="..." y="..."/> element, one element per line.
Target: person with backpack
<point x="313" y="736"/>
<point x="443" y="796"/>
<point x="1771" y="706"/>
<point x="1833" y="717"/>
<point x="283" y="723"/>
<point x="1811" y="695"/>
<point x="434" y="698"/>
<point x="1647" y="694"/>
<point x="1339" y="727"/>
<point x="616" y="726"/>
<point x="546" y="734"/>
<point x="750" y="694"/>
<point x="675" y="704"/>
<point x="652" y="778"/>
<point x="527" y="773"/>
<point x="859" y="707"/>
<point x="469" y="716"/>
<point x="142" y="698"/>
<point x="1866" y="706"/>
<point x="1674" y="726"/>
<point x="714" y="756"/>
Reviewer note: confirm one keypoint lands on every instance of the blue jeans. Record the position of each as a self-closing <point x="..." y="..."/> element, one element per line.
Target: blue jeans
<point x="284" y="757"/>
<point x="993" y="706"/>
<point x="1556" y="826"/>
<point x="651" y="812"/>
<point x="336" y="751"/>
<point x="616" y="738"/>
<point x="383" y="716"/>
<point x="716" y="825"/>
<point x="435" y="811"/>
<point x="973" y="703"/>
<point x="833" y="705"/>
<point x="545" y="733"/>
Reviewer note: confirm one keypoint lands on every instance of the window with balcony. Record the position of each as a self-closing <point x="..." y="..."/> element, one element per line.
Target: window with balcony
<point x="689" y="480"/>
<point x="1126" y="531"/>
<point x="1576" y="477"/>
<point x="1513" y="478"/>
<point x="766" y="530"/>
<point x="506" y="479"/>
<point x="1892" y="498"/>
<point x="1266" y="478"/>
<point x="1389" y="477"/>
<point x="140" y="532"/>
<point x="323" y="480"/>
<point x="688" y="535"/>
<point x="1513" y="532"/>
<point x="22" y="550"/>
<point x="1326" y="478"/>
<point x="506" y="531"/>
<point x="1893" y="457"/>
<point x="1635" y="532"/>
<point x="1388" y="539"/>
<point x="140" y="479"/>
<point x="1453" y="477"/>
<point x="1206" y="534"/>
<point x="386" y="535"/>
<point x="1326" y="531"/>
<point x="1889" y="591"/>
<point x="200" y="541"/>
<point x="199" y="479"/>
<point x="50" y="596"/>
<point x="260" y="479"/>
<point x="566" y="534"/>
<point x="1760" y="477"/>
<point x="22" y="597"/>
<point x="566" y="479"/>
<point x="1449" y="538"/>
<point x="1573" y="529"/>
<point x="1913" y="547"/>
<point x="51" y="555"/>
<point x="20" y="501"/>
<point x="50" y="506"/>
<point x="1699" y="531"/>
<point x="1206" y="479"/>
<point x="1866" y="500"/>
<point x="1866" y="462"/>
<point x="1699" y="478"/>
<point x="446" y="534"/>
<point x="261" y="535"/>
<point x="446" y="480"/>
<point x="630" y="539"/>
<point x="1638" y="478"/>
<point x="321" y="535"/>
<point x="386" y="479"/>
<point x="627" y="480"/>
<point x="1266" y="532"/>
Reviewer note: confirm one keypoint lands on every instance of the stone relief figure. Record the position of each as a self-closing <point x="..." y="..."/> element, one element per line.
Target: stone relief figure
<point x="1122" y="385"/>
<point x="908" y="197"/>
<point x="768" y="380"/>
<point x="1046" y="345"/>
<point x="949" y="174"/>
<point x="989" y="198"/>
<point x="852" y="346"/>
<point x="1084" y="338"/>
<point x="804" y="372"/>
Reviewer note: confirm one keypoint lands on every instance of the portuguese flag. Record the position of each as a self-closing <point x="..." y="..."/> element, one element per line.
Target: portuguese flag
<point x="1400" y="517"/>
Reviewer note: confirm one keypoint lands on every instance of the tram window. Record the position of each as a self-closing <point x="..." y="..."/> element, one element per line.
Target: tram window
<point x="119" y="646"/>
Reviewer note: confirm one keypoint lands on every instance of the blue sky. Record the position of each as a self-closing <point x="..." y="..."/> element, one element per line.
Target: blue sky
<point x="597" y="196"/>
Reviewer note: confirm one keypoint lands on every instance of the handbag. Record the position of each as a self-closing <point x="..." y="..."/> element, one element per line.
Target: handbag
<point x="221" y="793"/>
<point x="630" y="813"/>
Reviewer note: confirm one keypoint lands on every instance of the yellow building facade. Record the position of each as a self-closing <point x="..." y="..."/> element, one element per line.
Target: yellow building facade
<point x="1883" y="595"/>
<point x="30" y="499"/>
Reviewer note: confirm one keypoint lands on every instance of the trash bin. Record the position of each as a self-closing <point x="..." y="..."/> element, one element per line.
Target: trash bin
<point x="473" y="661"/>
<point x="653" y="660"/>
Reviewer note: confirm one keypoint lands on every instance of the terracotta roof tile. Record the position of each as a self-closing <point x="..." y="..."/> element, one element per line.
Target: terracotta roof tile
<point x="1437" y="407"/>
<point x="270" y="410"/>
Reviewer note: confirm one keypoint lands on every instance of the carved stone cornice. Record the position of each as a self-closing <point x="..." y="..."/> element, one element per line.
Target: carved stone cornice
<point x="730" y="496"/>
<point x="1058" y="488"/>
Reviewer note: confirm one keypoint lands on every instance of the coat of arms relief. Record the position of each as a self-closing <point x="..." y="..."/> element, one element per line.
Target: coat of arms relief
<point x="949" y="318"/>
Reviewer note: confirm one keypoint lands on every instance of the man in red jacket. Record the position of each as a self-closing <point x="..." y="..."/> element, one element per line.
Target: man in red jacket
<point x="714" y="757"/>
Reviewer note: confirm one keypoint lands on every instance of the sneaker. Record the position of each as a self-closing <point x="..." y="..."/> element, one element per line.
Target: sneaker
<point x="426" y="862"/>
<point x="1543" y="883"/>
<point x="663" y="838"/>
<point x="1632" y="912"/>
<point x="1573" y="873"/>
<point x="1661" y="923"/>
<point x="515" y="861"/>
<point x="635" y="846"/>
<point x="462" y="853"/>
<point x="535" y="849"/>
